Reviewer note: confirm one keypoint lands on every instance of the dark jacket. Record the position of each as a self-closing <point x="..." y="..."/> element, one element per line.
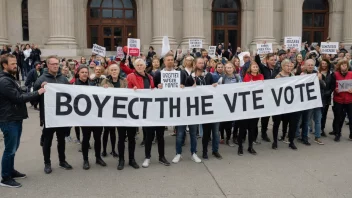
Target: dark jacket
<point x="46" y="77"/>
<point x="35" y="55"/>
<point x="326" y="99"/>
<point x="205" y="79"/>
<point x="265" y="70"/>
<point x="32" y="77"/>
<point x="12" y="100"/>
<point x="184" y="75"/>
<point x="79" y="82"/>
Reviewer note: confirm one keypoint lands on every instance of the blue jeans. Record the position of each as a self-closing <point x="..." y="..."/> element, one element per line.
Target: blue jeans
<point x="211" y="128"/>
<point x="12" y="134"/>
<point x="306" y="116"/>
<point x="316" y="115"/>
<point x="181" y="132"/>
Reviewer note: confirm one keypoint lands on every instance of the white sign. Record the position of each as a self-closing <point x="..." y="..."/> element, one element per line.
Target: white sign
<point x="134" y="46"/>
<point x="195" y="43"/>
<point x="293" y="42"/>
<point x="170" y="79"/>
<point x="344" y="85"/>
<point x="212" y="51"/>
<point x="71" y="105"/>
<point x="165" y="46"/>
<point x="329" y="47"/>
<point x="119" y="53"/>
<point x="99" y="50"/>
<point x="265" y="48"/>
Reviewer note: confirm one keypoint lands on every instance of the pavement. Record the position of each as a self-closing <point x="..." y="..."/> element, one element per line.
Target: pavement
<point x="311" y="171"/>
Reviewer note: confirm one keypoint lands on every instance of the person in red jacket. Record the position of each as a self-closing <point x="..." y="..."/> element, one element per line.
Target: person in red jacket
<point x="342" y="99"/>
<point x="249" y="125"/>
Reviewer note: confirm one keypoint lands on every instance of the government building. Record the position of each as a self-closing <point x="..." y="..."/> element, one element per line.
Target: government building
<point x="71" y="27"/>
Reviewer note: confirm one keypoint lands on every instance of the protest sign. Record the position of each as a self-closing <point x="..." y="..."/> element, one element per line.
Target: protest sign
<point x="72" y="105"/>
<point x="265" y="48"/>
<point x="119" y="53"/>
<point x="98" y="50"/>
<point x="170" y="79"/>
<point x="134" y="46"/>
<point x="344" y="85"/>
<point x="293" y="42"/>
<point x="165" y="46"/>
<point x="195" y="43"/>
<point x="329" y="47"/>
<point x="212" y="51"/>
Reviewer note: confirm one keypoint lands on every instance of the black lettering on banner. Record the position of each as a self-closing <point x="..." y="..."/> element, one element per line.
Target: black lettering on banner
<point x="205" y="104"/>
<point x="145" y="106"/>
<point x="232" y="105"/>
<point x="300" y="86"/>
<point x="177" y="107"/>
<point x="88" y="108"/>
<point x="256" y="99"/>
<point x="117" y="106"/>
<point x="162" y="101"/>
<point x="101" y="105"/>
<point x="292" y="96"/>
<point x="309" y="91"/>
<point x="130" y="109"/>
<point x="244" y="94"/>
<point x="277" y="99"/>
<point x="195" y="106"/>
<point x="60" y="103"/>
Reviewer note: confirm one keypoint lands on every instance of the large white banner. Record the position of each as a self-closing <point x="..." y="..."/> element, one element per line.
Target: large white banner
<point x="71" y="105"/>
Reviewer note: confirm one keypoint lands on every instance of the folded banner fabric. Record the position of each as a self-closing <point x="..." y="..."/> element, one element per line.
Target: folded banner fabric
<point x="70" y="105"/>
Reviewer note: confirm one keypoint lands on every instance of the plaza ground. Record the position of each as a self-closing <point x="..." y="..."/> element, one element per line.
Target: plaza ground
<point x="314" y="171"/>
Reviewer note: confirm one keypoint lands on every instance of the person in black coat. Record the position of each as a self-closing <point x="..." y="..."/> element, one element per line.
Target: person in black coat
<point x="35" y="55"/>
<point x="33" y="75"/>
<point x="17" y="53"/>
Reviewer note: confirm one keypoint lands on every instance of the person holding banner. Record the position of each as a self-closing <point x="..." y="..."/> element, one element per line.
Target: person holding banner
<point x="229" y="77"/>
<point x="250" y="125"/>
<point x="291" y="118"/>
<point x="114" y="80"/>
<point x="219" y="71"/>
<point x="342" y="98"/>
<point x="52" y="75"/>
<point x="199" y="77"/>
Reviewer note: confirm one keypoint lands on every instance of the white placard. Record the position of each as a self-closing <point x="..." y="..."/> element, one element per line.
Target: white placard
<point x="293" y="42"/>
<point x="170" y="79"/>
<point x="329" y="47"/>
<point x="265" y="48"/>
<point x="134" y="46"/>
<point x="165" y="46"/>
<point x="212" y="51"/>
<point x="344" y="85"/>
<point x="119" y="53"/>
<point x="195" y="43"/>
<point x="71" y="105"/>
<point x="98" y="50"/>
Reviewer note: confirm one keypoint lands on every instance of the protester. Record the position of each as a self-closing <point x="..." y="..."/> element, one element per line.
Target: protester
<point x="51" y="75"/>
<point x="219" y="71"/>
<point x="33" y="75"/>
<point x="13" y="111"/>
<point x="326" y="98"/>
<point x="27" y="60"/>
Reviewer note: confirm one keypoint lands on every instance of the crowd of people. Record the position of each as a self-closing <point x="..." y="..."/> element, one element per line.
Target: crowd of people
<point x="144" y="72"/>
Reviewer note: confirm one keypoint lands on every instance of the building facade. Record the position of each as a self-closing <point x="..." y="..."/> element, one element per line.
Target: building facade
<point x="70" y="27"/>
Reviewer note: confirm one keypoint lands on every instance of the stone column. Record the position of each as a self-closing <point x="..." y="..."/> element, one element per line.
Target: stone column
<point x="61" y="19"/>
<point x="163" y="22"/>
<point x="263" y="23"/>
<point x="80" y="27"/>
<point x="292" y="18"/>
<point x="193" y="22"/>
<point x="3" y="23"/>
<point x="347" y="23"/>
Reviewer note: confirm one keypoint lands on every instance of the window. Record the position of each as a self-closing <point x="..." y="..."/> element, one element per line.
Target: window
<point x="25" y="30"/>
<point x="315" y="21"/>
<point x="111" y="22"/>
<point x="226" y="23"/>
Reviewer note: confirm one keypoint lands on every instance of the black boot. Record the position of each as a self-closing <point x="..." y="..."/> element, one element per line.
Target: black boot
<point x="86" y="165"/>
<point x="121" y="164"/>
<point x="100" y="162"/>
<point x="240" y="151"/>
<point x="134" y="164"/>
<point x="274" y="146"/>
<point x="205" y="155"/>
<point x="252" y="151"/>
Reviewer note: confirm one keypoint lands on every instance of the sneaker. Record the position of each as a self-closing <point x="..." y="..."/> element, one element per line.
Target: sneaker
<point x="65" y="165"/>
<point x="252" y="151"/>
<point x="286" y="141"/>
<point x="217" y="155"/>
<point x="174" y="133"/>
<point x="274" y="146"/>
<point x="146" y="163"/>
<point x="177" y="158"/>
<point x="222" y="141"/>
<point x="317" y="140"/>
<point x="47" y="169"/>
<point x="121" y="165"/>
<point x="10" y="183"/>
<point x="323" y="134"/>
<point x="18" y="175"/>
<point x="205" y="155"/>
<point x="292" y="146"/>
<point x="282" y="138"/>
<point x="256" y="142"/>
<point x="114" y="154"/>
<point x="100" y="162"/>
<point x="134" y="164"/>
<point x="162" y="160"/>
<point x="266" y="139"/>
<point x="86" y="165"/>
<point x="240" y="151"/>
<point x="337" y="138"/>
<point x="332" y="133"/>
<point x="306" y="143"/>
<point x="77" y="141"/>
<point x="195" y="158"/>
<point x="142" y="143"/>
<point x="104" y="154"/>
<point x="229" y="143"/>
